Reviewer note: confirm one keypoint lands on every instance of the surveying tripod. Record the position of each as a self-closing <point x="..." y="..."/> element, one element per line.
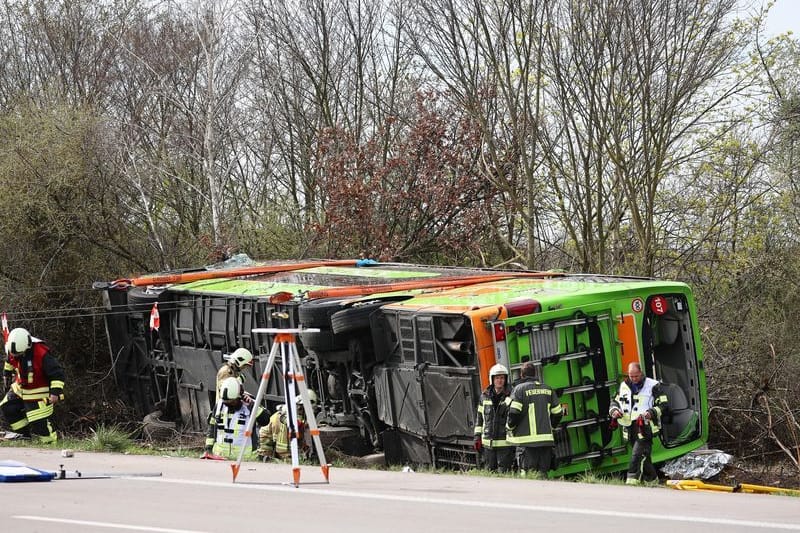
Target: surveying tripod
<point x="284" y="343"/>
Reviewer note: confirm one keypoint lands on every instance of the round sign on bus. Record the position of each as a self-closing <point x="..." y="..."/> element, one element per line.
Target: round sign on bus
<point x="637" y="304"/>
<point x="659" y="305"/>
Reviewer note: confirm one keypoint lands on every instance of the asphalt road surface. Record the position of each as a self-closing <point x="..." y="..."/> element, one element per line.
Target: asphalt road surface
<point x="200" y="496"/>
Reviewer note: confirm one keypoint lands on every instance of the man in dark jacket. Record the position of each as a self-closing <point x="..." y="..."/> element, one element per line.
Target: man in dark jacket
<point x="534" y="411"/>
<point x="490" y="423"/>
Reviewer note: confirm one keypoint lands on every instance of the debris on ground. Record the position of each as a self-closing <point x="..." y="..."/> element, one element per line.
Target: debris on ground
<point x="699" y="464"/>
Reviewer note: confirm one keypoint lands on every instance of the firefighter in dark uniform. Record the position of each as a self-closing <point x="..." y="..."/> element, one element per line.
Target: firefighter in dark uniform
<point x="534" y="411"/>
<point x="637" y="408"/>
<point x="35" y="381"/>
<point x="490" y="423"/>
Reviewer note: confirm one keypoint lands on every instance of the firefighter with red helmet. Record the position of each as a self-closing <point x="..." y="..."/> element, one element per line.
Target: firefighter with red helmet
<point x="35" y="381"/>
<point x="490" y="423"/>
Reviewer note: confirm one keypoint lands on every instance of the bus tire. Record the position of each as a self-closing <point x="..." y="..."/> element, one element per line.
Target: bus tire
<point x="324" y="340"/>
<point x="141" y="300"/>
<point x="317" y="313"/>
<point x="354" y="318"/>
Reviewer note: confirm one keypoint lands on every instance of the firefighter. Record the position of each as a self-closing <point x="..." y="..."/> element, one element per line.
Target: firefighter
<point x="490" y="423"/>
<point x="637" y="408"/>
<point x="274" y="438"/>
<point x="35" y="382"/>
<point x="233" y="368"/>
<point x="534" y="412"/>
<point x="227" y="425"/>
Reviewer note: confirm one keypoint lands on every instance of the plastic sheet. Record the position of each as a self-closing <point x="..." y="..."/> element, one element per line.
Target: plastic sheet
<point x="699" y="464"/>
<point x="238" y="260"/>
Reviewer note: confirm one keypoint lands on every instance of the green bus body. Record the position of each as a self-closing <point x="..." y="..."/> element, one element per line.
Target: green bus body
<point x="404" y="369"/>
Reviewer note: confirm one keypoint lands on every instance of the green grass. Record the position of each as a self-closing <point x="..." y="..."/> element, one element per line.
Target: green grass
<point x="110" y="439"/>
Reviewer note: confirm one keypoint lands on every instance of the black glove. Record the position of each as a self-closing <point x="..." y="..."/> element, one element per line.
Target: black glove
<point x="478" y="443"/>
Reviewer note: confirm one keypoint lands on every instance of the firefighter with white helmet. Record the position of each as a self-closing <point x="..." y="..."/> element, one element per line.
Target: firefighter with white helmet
<point x="490" y="423"/>
<point x="237" y="362"/>
<point x="226" y="435"/>
<point x="274" y="438"/>
<point x="35" y="382"/>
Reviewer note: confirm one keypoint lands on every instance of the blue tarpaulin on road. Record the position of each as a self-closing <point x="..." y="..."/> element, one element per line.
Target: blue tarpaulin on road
<point x="14" y="471"/>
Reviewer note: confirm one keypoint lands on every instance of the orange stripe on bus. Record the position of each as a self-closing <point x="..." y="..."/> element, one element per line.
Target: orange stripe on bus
<point x="163" y="279"/>
<point x="629" y="350"/>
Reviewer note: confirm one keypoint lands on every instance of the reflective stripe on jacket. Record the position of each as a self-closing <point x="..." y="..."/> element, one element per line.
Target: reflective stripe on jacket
<point x="230" y="425"/>
<point x="490" y="422"/>
<point x="650" y="397"/>
<point x="39" y="374"/>
<point x="275" y="436"/>
<point x="533" y="413"/>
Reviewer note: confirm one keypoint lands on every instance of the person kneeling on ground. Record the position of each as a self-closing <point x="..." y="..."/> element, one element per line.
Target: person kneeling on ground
<point x="274" y="438"/>
<point x="227" y="424"/>
<point x="35" y="382"/>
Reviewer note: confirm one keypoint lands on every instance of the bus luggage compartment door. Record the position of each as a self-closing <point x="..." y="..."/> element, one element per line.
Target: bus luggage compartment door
<point x="450" y="400"/>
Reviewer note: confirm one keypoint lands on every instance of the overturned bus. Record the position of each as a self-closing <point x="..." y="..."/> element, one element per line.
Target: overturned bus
<point x="403" y="351"/>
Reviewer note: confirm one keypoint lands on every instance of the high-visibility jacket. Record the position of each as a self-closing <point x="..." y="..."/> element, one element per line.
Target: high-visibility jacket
<point x="275" y="437"/>
<point x="228" y="371"/>
<point x="649" y="397"/>
<point x="490" y="422"/>
<point x="229" y="425"/>
<point x="533" y="413"/>
<point x="38" y="373"/>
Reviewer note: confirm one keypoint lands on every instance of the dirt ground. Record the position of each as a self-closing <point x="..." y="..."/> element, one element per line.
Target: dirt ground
<point x="775" y="473"/>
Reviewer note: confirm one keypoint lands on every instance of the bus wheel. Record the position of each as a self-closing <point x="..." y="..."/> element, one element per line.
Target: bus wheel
<point x="354" y="318"/>
<point x="317" y="313"/>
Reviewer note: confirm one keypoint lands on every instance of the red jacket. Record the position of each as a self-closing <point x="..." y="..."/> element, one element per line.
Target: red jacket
<point x="39" y="374"/>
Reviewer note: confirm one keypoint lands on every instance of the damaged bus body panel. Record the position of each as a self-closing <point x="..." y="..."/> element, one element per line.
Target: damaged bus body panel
<point x="399" y="363"/>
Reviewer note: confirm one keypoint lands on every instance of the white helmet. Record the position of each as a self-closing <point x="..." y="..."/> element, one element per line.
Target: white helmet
<point x="298" y="400"/>
<point x="19" y="341"/>
<point x="230" y="389"/>
<point x="498" y="370"/>
<point x="241" y="357"/>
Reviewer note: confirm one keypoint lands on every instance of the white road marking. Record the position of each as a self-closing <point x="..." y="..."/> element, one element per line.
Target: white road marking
<point x="110" y="525"/>
<point x="483" y="504"/>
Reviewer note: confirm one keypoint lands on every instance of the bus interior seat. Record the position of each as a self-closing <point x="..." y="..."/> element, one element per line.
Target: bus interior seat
<point x="680" y="422"/>
<point x="668" y="330"/>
